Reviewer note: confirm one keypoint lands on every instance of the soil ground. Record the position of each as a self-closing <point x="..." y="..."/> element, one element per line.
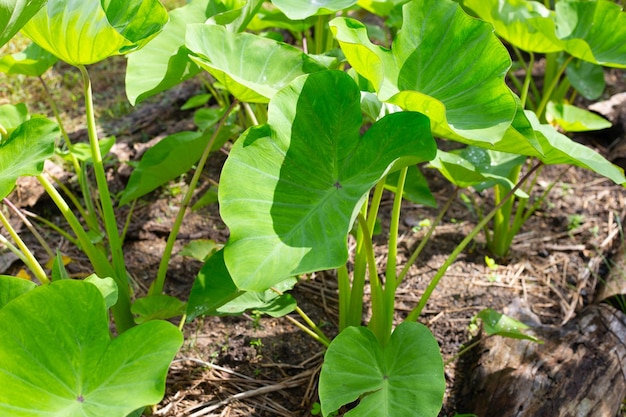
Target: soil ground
<point x="259" y="366"/>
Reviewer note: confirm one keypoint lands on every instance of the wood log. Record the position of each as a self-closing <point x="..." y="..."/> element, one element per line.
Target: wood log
<point x="578" y="371"/>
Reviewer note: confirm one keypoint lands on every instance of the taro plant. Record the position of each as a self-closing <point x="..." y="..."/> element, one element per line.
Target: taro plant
<point x="576" y="39"/>
<point x="57" y="356"/>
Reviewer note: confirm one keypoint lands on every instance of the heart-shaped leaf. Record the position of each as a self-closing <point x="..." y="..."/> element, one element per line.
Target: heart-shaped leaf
<point x="252" y="68"/>
<point x="158" y="306"/>
<point x="417" y="74"/>
<point x="25" y="151"/>
<point x="79" y="32"/>
<point x="57" y="357"/>
<point x="33" y="61"/>
<point x="301" y="9"/>
<point x="165" y="62"/>
<point x="290" y="190"/>
<point x="403" y="378"/>
<point x="14" y="14"/>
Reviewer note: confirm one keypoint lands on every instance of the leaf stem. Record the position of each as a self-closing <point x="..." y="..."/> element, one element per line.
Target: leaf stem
<point x="106" y="202"/>
<point x="159" y="283"/>
<point x="31" y="261"/>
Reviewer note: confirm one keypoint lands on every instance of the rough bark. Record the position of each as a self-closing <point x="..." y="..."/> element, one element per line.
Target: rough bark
<point x="578" y="371"/>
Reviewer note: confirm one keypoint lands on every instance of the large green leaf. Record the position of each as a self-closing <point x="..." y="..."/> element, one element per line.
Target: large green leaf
<point x="291" y="189"/>
<point x="559" y="149"/>
<point x="170" y="158"/>
<point x="165" y="62"/>
<point x="79" y="31"/>
<point x="252" y="68"/>
<point x="33" y="61"/>
<point x="14" y="14"/>
<point x="529" y="25"/>
<point x="57" y="357"/>
<point x="443" y="63"/>
<point x="301" y="9"/>
<point x="25" y="151"/>
<point x="403" y="378"/>
<point x="593" y="30"/>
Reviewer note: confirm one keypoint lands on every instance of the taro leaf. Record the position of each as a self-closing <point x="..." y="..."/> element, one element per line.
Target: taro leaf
<point x="301" y="9"/>
<point x="415" y="187"/>
<point x="593" y="30"/>
<point x="159" y="306"/>
<point x="212" y="288"/>
<point x="463" y="170"/>
<point x="403" y="378"/>
<point x="237" y="15"/>
<point x="61" y="361"/>
<point x="11" y="116"/>
<point x="107" y="288"/>
<point x="528" y="25"/>
<point x="13" y="287"/>
<point x="198" y="100"/>
<point x="200" y="249"/>
<point x="574" y="119"/>
<point x="559" y="149"/>
<point x="495" y="323"/>
<point x="290" y="190"/>
<point x="165" y="62"/>
<point x="79" y="31"/>
<point x="272" y="18"/>
<point x="171" y="157"/>
<point x="380" y="7"/>
<point x="417" y="74"/>
<point x="33" y="61"/>
<point x="82" y="151"/>
<point x="252" y="68"/>
<point x="586" y="78"/>
<point x="25" y="151"/>
<point x="268" y="302"/>
<point x="215" y="293"/>
<point x="14" y="14"/>
<point x="139" y="21"/>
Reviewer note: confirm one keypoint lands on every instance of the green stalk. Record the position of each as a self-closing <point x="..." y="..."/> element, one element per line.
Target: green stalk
<point x="355" y="312"/>
<point x="312" y="330"/>
<point x="547" y="92"/>
<point x="106" y="202"/>
<point x="121" y="310"/>
<point x="91" y="220"/>
<point x="159" y="283"/>
<point x="343" y="280"/>
<point x="426" y="238"/>
<point x="376" y="323"/>
<point x="31" y="261"/>
<point x="391" y="280"/>
<point x="321" y="34"/>
<point x="414" y="314"/>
